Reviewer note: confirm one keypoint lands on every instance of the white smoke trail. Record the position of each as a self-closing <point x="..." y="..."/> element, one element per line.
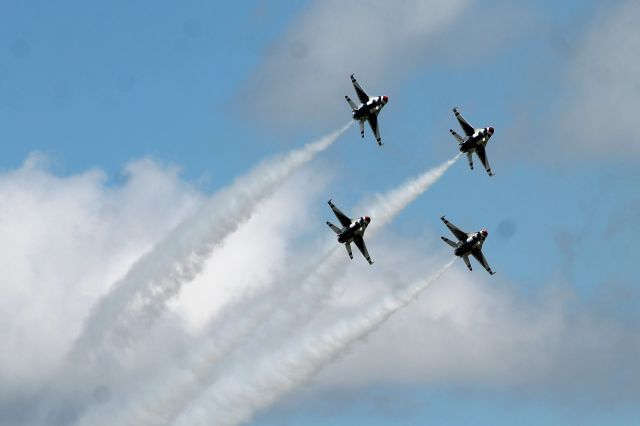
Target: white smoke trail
<point x="388" y="205"/>
<point x="235" y="398"/>
<point x="141" y="295"/>
<point x="275" y="313"/>
<point x="166" y="397"/>
<point x="136" y="302"/>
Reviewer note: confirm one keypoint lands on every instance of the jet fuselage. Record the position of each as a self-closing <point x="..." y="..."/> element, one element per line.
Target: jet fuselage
<point x="480" y="137"/>
<point x="475" y="241"/>
<point x="373" y="106"/>
<point x="357" y="227"/>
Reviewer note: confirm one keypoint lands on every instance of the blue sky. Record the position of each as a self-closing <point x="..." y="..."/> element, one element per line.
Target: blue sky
<point x="213" y="89"/>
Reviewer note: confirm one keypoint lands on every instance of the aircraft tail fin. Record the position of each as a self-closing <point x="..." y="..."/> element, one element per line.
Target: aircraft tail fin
<point x="457" y="136"/>
<point x="351" y="104"/>
<point x="448" y="241"/>
<point x="333" y="227"/>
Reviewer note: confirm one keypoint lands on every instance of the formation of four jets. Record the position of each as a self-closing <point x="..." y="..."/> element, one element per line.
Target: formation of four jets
<point x="475" y="140"/>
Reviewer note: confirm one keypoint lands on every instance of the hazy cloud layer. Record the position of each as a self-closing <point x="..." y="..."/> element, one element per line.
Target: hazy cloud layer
<point x="469" y="331"/>
<point x="602" y="88"/>
<point x="305" y="75"/>
<point x="603" y="85"/>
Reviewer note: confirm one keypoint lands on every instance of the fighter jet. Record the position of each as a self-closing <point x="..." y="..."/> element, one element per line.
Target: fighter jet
<point x="468" y="244"/>
<point x="368" y="109"/>
<point x="474" y="141"/>
<point x="351" y="231"/>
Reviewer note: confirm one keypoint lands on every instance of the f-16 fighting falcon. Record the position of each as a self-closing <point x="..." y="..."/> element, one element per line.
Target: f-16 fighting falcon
<point x="351" y="231"/>
<point x="468" y="244"/>
<point x="368" y="109"/>
<point x="475" y="140"/>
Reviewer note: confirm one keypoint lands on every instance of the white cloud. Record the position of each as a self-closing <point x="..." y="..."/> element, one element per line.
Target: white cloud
<point x="67" y="239"/>
<point x="254" y="255"/>
<point x="473" y="330"/>
<point x="243" y="269"/>
<point x="127" y="312"/>
<point x="306" y="74"/>
<point x="64" y="240"/>
<point x="602" y="92"/>
<point x="468" y="329"/>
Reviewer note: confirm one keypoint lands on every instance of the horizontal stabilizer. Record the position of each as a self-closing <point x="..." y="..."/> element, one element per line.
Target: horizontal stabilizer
<point x="448" y="241"/>
<point x="351" y="104"/>
<point x="335" y="228"/>
<point x="457" y="136"/>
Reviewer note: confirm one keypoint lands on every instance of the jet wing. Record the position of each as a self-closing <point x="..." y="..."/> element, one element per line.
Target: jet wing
<point x="460" y="235"/>
<point x="343" y="218"/>
<point x="468" y="129"/>
<point x="373" y="122"/>
<point x="480" y="258"/>
<point x="482" y="154"/>
<point x="362" y="95"/>
<point x="359" y="242"/>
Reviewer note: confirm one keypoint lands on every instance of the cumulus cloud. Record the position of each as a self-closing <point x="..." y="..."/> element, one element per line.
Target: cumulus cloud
<point x="124" y="314"/>
<point x="474" y="334"/>
<point x="296" y="294"/>
<point x="467" y="329"/>
<point x="243" y="269"/>
<point x="65" y="240"/>
<point x="478" y="332"/>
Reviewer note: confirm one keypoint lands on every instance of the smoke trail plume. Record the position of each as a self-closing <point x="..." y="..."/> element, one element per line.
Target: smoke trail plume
<point x="164" y="399"/>
<point x="180" y="257"/>
<point x="124" y="315"/>
<point x="239" y="395"/>
<point x="278" y="312"/>
<point x="388" y="205"/>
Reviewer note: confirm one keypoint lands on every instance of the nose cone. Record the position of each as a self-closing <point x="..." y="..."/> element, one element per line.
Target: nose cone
<point x="367" y="219"/>
<point x="490" y="130"/>
<point x="385" y="99"/>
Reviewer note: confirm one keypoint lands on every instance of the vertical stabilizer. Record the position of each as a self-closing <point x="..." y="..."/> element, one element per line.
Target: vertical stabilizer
<point x="457" y="136"/>
<point x="351" y="104"/>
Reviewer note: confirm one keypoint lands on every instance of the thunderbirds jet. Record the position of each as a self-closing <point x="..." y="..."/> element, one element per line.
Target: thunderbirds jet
<point x="368" y="109"/>
<point x="351" y="231"/>
<point x="475" y="140"/>
<point x="468" y="244"/>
